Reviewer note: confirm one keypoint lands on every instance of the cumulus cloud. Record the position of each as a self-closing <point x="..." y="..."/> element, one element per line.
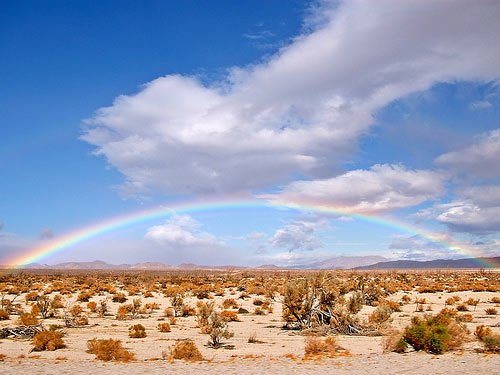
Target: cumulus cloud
<point x="301" y="111"/>
<point x="418" y="248"/>
<point x="181" y="231"/>
<point x="299" y="235"/>
<point x="480" y="159"/>
<point x="475" y="210"/>
<point x="381" y="188"/>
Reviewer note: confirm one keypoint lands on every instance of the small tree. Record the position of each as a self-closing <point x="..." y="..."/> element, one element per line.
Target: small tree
<point x="218" y="330"/>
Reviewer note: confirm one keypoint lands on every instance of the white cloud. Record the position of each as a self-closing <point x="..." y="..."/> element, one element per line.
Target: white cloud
<point x="299" y="235"/>
<point x="381" y="188"/>
<point x="416" y="247"/>
<point x="475" y="210"/>
<point x="181" y="231"/>
<point x="480" y="159"/>
<point x="300" y="112"/>
<point x="481" y="104"/>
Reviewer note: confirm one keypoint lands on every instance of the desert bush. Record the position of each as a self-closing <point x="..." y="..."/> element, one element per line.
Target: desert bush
<point x="31" y="296"/>
<point x="490" y="340"/>
<point x="495" y="300"/>
<point x="102" y="308"/>
<point x="462" y="307"/>
<point x="491" y="311"/>
<point x="185" y="350"/>
<point x="380" y="315"/>
<point x="230" y="303"/>
<point x="229" y="316"/>
<point x="435" y="334"/>
<point x="48" y="340"/>
<point x="395" y="343"/>
<point x="203" y="312"/>
<point x="465" y="318"/>
<point x="217" y="329"/>
<point x="169" y="312"/>
<point x="109" y="350"/>
<point x="164" y="327"/>
<point x="472" y="302"/>
<point x="28" y="319"/>
<point x="119" y="297"/>
<point x="316" y="346"/>
<point x="406" y="299"/>
<point x="75" y="310"/>
<point x="137" y="331"/>
<point x="4" y="315"/>
<point x="85" y="296"/>
<point x="92" y="306"/>
<point x="355" y="303"/>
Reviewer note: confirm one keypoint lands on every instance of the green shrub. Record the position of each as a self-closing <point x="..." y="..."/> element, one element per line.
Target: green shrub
<point x="434" y="334"/>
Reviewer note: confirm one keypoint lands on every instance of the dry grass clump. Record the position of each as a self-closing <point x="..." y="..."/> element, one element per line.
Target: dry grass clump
<point x="48" y="340"/>
<point x="164" y="327"/>
<point x="109" y="350"/>
<point x="185" y="350"/>
<point x="119" y="297"/>
<point x="495" y="300"/>
<point x="229" y="316"/>
<point x="490" y="340"/>
<point x="137" y="331"/>
<point x="230" y="303"/>
<point x="317" y="346"/>
<point x="28" y="319"/>
<point x="491" y="311"/>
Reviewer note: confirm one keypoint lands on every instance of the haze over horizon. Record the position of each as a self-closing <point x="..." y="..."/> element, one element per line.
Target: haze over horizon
<point x="387" y="110"/>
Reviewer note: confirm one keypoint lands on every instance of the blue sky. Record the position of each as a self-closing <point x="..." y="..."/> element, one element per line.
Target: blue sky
<point x="381" y="108"/>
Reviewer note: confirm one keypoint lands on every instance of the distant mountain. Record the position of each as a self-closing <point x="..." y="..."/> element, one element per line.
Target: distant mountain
<point x="342" y="262"/>
<point x="475" y="263"/>
<point x="99" y="265"/>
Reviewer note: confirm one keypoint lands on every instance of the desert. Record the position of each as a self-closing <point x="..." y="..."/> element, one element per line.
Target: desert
<point x="249" y="321"/>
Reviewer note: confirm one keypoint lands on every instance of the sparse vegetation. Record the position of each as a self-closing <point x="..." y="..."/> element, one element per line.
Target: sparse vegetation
<point x="109" y="350"/>
<point x="48" y="340"/>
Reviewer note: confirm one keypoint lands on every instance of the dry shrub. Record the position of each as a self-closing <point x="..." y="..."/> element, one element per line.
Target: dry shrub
<point x="169" y="312"/>
<point x="186" y="350"/>
<point x="92" y="306"/>
<point x="76" y="310"/>
<point x="491" y="311"/>
<point x="26" y="319"/>
<point x="137" y="331"/>
<point x="490" y="340"/>
<point x="495" y="300"/>
<point x="355" y="303"/>
<point x="252" y="339"/>
<point x="4" y="315"/>
<point x="109" y="350"/>
<point x="48" y="340"/>
<point x="380" y="315"/>
<point x="164" y="327"/>
<point x="395" y="342"/>
<point x="462" y="307"/>
<point x="217" y="329"/>
<point x="31" y="296"/>
<point x="230" y="303"/>
<point x="465" y="318"/>
<point x="229" y="316"/>
<point x="317" y="346"/>
<point x="2" y="357"/>
<point x="119" y="297"/>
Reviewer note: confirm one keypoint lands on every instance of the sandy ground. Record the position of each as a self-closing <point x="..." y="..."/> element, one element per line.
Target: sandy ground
<point x="280" y="352"/>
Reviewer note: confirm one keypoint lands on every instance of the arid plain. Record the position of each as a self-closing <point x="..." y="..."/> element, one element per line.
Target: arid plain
<point x="250" y="322"/>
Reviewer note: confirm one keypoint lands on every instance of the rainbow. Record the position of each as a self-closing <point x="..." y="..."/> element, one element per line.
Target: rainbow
<point x="63" y="242"/>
